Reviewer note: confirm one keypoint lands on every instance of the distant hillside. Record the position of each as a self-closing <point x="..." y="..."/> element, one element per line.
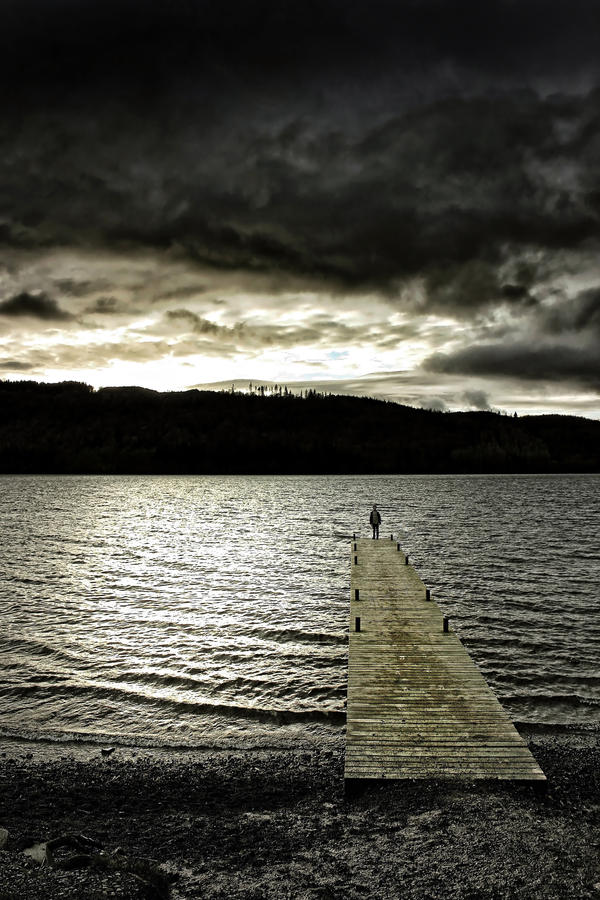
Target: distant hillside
<point x="70" y="428"/>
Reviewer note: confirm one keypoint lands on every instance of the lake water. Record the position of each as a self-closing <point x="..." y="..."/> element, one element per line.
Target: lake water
<point x="186" y="611"/>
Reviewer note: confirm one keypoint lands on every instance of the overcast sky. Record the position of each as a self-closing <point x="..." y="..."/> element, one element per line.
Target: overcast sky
<point x="398" y="198"/>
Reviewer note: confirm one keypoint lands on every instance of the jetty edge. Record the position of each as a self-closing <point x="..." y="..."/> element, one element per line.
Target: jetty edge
<point x="417" y="705"/>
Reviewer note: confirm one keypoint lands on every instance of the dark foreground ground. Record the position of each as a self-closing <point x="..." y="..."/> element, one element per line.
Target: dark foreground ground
<point x="277" y="825"/>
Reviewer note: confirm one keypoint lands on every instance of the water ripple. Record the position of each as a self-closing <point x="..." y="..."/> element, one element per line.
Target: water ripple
<point x="179" y="609"/>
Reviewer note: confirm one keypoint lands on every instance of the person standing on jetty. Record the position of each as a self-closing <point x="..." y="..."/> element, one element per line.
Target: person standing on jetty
<point x="375" y="520"/>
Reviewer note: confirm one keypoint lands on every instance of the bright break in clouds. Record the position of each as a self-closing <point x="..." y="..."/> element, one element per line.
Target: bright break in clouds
<point x="398" y="199"/>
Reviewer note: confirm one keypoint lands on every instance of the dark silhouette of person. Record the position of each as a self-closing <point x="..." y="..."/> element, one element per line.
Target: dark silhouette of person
<point x="375" y="520"/>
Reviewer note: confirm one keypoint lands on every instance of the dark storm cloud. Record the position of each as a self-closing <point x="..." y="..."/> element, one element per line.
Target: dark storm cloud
<point x="104" y="306"/>
<point x="180" y="293"/>
<point x="319" y="330"/>
<point x="81" y="287"/>
<point x="351" y="144"/>
<point x="515" y="292"/>
<point x="462" y="288"/>
<point x="442" y="154"/>
<point x="449" y="190"/>
<point x="142" y="41"/>
<point x="552" y="362"/>
<point x="556" y="341"/>
<point x="580" y="314"/>
<point x="37" y="306"/>
<point x="476" y="400"/>
<point x="14" y="365"/>
<point x="199" y="325"/>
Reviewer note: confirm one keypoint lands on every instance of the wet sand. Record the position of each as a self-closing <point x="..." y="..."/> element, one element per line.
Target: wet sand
<point x="276" y="824"/>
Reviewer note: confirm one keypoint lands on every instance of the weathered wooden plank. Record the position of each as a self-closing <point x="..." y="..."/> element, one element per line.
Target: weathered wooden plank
<point x="436" y="773"/>
<point x="440" y="769"/>
<point x="410" y="754"/>
<point x="418" y="706"/>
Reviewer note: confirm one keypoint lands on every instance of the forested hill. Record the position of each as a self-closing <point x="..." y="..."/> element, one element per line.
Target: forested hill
<point x="69" y="427"/>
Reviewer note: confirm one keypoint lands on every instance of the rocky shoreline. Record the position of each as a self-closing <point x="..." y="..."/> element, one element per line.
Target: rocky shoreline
<point x="276" y="824"/>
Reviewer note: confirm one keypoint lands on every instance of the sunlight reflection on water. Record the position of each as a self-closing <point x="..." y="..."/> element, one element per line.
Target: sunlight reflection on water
<point x="202" y="609"/>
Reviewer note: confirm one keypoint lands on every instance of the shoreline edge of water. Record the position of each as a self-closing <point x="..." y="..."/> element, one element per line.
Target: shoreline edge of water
<point x="254" y="823"/>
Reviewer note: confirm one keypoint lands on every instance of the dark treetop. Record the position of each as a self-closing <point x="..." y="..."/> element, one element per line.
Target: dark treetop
<point x="70" y="428"/>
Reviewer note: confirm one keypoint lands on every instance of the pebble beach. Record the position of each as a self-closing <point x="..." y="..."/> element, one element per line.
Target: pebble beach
<point x="263" y="823"/>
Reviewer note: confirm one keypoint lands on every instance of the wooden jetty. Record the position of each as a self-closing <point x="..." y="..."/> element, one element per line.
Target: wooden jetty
<point x="418" y="706"/>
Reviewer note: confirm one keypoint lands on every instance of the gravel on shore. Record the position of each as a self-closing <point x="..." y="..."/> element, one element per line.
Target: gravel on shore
<point x="276" y="824"/>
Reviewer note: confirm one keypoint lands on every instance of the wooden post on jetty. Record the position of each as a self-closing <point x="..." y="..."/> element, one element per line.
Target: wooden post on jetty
<point x="418" y="707"/>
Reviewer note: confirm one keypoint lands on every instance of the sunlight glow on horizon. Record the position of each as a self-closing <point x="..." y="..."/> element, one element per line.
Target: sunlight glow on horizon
<point x="153" y="321"/>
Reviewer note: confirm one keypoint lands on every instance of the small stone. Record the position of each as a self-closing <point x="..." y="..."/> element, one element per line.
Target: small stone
<point x="37" y="852"/>
<point x="106" y="751"/>
<point x="3" y="838"/>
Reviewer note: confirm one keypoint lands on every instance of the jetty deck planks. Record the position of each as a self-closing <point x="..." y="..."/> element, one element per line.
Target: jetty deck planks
<point x="418" y="706"/>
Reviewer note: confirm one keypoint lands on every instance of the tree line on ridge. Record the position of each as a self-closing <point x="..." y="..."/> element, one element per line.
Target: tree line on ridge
<point x="71" y="428"/>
